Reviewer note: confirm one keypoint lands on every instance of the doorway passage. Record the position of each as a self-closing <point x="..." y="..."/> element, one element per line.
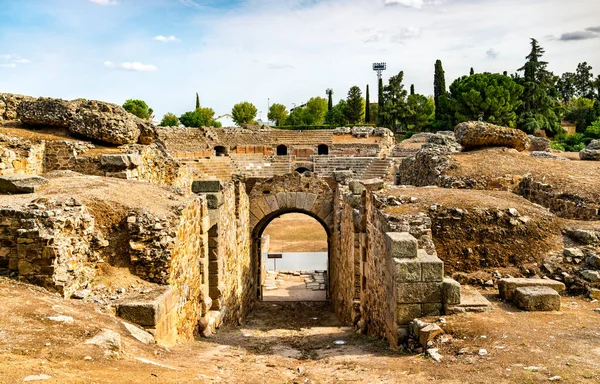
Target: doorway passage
<point x="294" y="259"/>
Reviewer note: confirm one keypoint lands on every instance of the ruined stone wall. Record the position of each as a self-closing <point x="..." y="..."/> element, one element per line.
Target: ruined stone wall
<point x="379" y="294"/>
<point x="50" y="244"/>
<point x="235" y="271"/>
<point x="158" y="167"/>
<point x="188" y="270"/>
<point x="567" y="205"/>
<point x="344" y="255"/>
<point x="20" y="156"/>
<point x="66" y="155"/>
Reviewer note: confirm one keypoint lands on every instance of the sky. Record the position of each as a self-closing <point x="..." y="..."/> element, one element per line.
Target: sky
<point x="274" y="51"/>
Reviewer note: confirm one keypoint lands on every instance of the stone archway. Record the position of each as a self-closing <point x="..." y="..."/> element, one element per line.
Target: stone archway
<point x="271" y="198"/>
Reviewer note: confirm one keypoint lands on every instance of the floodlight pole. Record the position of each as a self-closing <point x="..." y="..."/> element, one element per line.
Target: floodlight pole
<point x="379" y="68"/>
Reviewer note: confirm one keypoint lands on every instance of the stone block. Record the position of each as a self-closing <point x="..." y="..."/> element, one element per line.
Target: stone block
<point x="264" y="206"/>
<point x="206" y="186"/>
<point x="431" y="309"/>
<point x="508" y="286"/>
<point x="356" y="187"/>
<point x="373" y="184"/>
<point x="272" y="202"/>
<point x="214" y="200"/>
<point x="120" y="161"/>
<point x="594" y="294"/>
<point x="300" y="199"/>
<point x="401" y="245"/>
<point x="21" y="183"/>
<point x="451" y="291"/>
<point x="537" y="298"/>
<point x="405" y="313"/>
<point x="310" y="201"/>
<point x="432" y="268"/>
<point x="429" y="333"/>
<point x="291" y="199"/>
<point x="591" y="275"/>
<point x="412" y="293"/>
<point x="281" y="199"/>
<point x="149" y="309"/>
<point x="407" y="270"/>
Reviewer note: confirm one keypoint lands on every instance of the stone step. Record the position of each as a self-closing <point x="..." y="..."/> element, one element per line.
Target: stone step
<point x="507" y="287"/>
<point x="470" y="301"/>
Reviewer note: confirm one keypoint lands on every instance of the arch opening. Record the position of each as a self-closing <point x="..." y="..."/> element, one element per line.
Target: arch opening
<point x="323" y="149"/>
<point x="282" y="150"/>
<point x="293" y="254"/>
<point x="302" y="170"/>
<point x="221" y="151"/>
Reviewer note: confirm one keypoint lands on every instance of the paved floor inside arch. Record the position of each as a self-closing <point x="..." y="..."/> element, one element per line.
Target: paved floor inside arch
<point x="295" y="286"/>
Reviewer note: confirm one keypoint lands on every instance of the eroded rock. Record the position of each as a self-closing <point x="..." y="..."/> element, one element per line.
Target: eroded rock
<point x="106" y="122"/>
<point x="591" y="152"/>
<point x="477" y="134"/>
<point x="46" y="111"/>
<point x="21" y="183"/>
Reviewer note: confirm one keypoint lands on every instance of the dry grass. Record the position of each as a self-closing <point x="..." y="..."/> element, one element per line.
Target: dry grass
<point x="296" y="232"/>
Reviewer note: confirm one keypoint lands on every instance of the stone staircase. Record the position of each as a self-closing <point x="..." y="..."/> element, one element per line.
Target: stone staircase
<point x="327" y="165"/>
<point x="300" y="138"/>
<point x="214" y="168"/>
<point x="261" y="166"/>
<point x="378" y="169"/>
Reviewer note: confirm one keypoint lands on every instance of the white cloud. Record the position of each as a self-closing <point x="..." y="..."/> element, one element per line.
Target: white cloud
<point x="165" y="39"/>
<point x="11" y="61"/>
<point x="131" y="66"/>
<point x="412" y="3"/>
<point x="104" y="2"/>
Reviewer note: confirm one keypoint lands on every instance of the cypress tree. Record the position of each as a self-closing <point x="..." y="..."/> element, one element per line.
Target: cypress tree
<point x="197" y="101"/>
<point x="329" y="100"/>
<point x="439" y="89"/>
<point x="472" y="72"/>
<point x="412" y="89"/>
<point x="380" y="103"/>
<point x="368" y="107"/>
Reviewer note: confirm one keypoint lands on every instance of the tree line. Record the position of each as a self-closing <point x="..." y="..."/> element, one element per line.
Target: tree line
<point x="532" y="99"/>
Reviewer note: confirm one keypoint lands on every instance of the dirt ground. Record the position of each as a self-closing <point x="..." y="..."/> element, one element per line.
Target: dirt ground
<point x="296" y="232"/>
<point x="294" y="343"/>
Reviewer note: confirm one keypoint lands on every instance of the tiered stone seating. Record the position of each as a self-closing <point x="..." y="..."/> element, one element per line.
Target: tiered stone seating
<point x="327" y="165"/>
<point x="378" y="169"/>
<point x="216" y="167"/>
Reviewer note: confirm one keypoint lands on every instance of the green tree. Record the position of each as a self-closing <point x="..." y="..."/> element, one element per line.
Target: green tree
<point x="584" y="80"/>
<point x="169" y="120"/>
<point x="597" y="87"/>
<point x="593" y="131"/>
<point x="315" y="111"/>
<point x="200" y="117"/>
<point x="337" y="116"/>
<point x="374" y="112"/>
<point x="368" y="107"/>
<point x="440" y="97"/>
<point x="329" y="99"/>
<point x="412" y="89"/>
<point x="395" y="108"/>
<point x="420" y="111"/>
<point x="243" y="113"/>
<point x="278" y="113"/>
<point x="197" y="101"/>
<point x="491" y="97"/>
<point x="540" y="108"/>
<point x="354" y="109"/>
<point x="566" y="86"/>
<point x="471" y="72"/>
<point x="581" y="112"/>
<point x="138" y="108"/>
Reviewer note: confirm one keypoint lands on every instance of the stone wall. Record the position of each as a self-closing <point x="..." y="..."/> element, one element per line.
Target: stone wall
<point x="52" y="244"/>
<point x="158" y="167"/>
<point x="20" y="156"/>
<point x="67" y="155"/>
<point x="188" y="270"/>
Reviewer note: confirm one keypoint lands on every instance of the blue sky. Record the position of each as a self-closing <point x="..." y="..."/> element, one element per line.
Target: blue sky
<point x="286" y="51"/>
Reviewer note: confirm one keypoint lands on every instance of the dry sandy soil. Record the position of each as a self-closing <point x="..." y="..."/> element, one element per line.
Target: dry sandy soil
<point x="293" y="343"/>
<point x="296" y="232"/>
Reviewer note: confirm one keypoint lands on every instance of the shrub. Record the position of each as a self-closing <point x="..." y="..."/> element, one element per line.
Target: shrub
<point x="138" y="108"/>
<point x="169" y="120"/>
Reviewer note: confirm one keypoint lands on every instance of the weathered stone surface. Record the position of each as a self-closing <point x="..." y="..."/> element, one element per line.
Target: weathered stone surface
<point x="21" y="183"/>
<point x="539" y="144"/>
<point x="477" y="134"/>
<point x="591" y="152"/>
<point x="106" y="122"/>
<point x="9" y="102"/>
<point x="120" y="161"/>
<point x="451" y="291"/>
<point x="407" y="270"/>
<point x="405" y="313"/>
<point x="139" y="334"/>
<point x="373" y="184"/>
<point x="547" y="155"/>
<point x="429" y="333"/>
<point x="432" y="268"/>
<point x="508" y="286"/>
<point x="537" y="298"/>
<point x="410" y="293"/>
<point x="591" y="275"/>
<point x="583" y="236"/>
<point x="47" y="111"/>
<point x="205" y="186"/>
<point x="401" y="245"/>
<point x="107" y="339"/>
<point x="147" y="310"/>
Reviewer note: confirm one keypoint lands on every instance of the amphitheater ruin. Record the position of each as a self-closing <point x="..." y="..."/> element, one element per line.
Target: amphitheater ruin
<point x="412" y="227"/>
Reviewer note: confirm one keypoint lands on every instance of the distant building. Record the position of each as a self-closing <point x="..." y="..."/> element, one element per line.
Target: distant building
<point x="569" y="127"/>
